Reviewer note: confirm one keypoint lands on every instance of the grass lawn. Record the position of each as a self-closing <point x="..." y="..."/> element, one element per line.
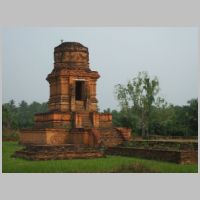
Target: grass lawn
<point x="108" y="164"/>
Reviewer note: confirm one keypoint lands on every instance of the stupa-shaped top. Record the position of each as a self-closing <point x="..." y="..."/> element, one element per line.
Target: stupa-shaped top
<point x="71" y="54"/>
<point x="71" y="46"/>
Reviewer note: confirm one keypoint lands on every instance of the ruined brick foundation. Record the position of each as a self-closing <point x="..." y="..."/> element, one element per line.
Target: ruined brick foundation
<point x="180" y="157"/>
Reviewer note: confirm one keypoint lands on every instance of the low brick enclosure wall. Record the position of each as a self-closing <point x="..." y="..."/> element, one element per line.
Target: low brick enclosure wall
<point x="163" y="145"/>
<point x="180" y="157"/>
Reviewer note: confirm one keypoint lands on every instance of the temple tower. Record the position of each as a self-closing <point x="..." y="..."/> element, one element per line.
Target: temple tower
<point x="72" y="118"/>
<point x="72" y="83"/>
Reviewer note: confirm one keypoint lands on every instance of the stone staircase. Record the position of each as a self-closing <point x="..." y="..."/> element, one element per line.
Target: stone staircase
<point x="86" y="120"/>
<point x="111" y="137"/>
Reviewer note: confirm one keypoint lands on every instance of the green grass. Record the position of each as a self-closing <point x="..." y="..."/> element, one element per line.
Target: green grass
<point x="108" y="164"/>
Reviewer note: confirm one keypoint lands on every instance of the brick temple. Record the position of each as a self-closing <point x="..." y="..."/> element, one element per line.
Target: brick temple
<point x="72" y="126"/>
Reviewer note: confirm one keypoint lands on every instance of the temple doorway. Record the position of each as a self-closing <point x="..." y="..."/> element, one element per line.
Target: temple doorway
<point x="80" y="90"/>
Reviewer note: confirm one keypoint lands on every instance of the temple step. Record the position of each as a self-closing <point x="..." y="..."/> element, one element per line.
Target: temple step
<point x="86" y="121"/>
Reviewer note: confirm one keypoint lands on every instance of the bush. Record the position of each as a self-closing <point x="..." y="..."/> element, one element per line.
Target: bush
<point x="10" y="135"/>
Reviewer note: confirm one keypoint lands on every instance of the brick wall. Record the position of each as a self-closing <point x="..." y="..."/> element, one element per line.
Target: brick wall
<point x="32" y="137"/>
<point x="105" y="120"/>
<point x="44" y="136"/>
<point x="182" y="157"/>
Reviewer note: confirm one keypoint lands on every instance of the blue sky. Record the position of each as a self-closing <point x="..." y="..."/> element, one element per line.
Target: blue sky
<point x="117" y="53"/>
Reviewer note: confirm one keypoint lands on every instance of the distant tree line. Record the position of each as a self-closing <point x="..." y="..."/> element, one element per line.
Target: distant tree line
<point x="166" y="120"/>
<point x="22" y="116"/>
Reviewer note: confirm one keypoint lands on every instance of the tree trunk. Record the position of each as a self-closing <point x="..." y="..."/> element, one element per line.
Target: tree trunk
<point x="143" y="124"/>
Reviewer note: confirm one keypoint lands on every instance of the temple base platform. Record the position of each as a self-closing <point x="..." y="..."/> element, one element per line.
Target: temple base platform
<point x="58" y="152"/>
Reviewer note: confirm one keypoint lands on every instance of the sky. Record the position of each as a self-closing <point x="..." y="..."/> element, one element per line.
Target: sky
<point x="117" y="53"/>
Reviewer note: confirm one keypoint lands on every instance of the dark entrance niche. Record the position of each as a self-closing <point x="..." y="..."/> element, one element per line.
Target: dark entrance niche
<point x="80" y="90"/>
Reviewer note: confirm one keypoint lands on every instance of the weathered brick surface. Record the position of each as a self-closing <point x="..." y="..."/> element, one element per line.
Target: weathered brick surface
<point x="43" y="136"/>
<point x="125" y="132"/>
<point x="164" y="144"/>
<point x="188" y="157"/>
<point x="110" y="137"/>
<point x="182" y="157"/>
<point x="105" y="120"/>
<point x="32" y="137"/>
<point x="48" y="152"/>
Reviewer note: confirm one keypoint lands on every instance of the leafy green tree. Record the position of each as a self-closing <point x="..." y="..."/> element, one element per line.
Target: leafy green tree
<point x="193" y="116"/>
<point x="163" y="119"/>
<point x="139" y="96"/>
<point x="9" y="115"/>
<point x="107" y="110"/>
<point x="22" y="116"/>
<point x="176" y="120"/>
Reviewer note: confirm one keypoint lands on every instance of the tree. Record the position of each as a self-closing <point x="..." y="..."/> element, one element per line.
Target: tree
<point x="22" y="116"/>
<point x="106" y="110"/>
<point x="9" y="115"/>
<point x="163" y="119"/>
<point x="139" y="96"/>
<point x="193" y="115"/>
